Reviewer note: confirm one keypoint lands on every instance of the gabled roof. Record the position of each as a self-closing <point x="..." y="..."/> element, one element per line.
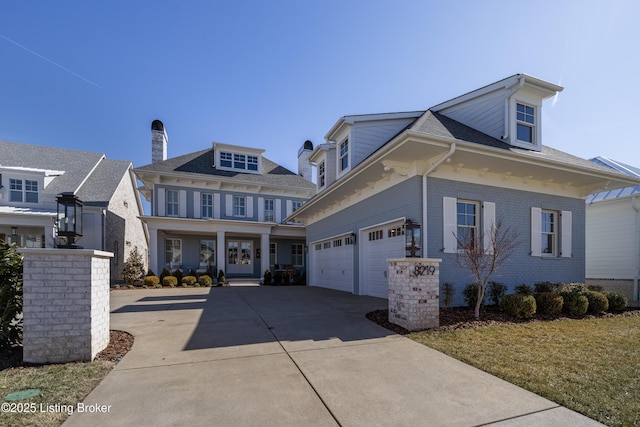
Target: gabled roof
<point x="91" y="176"/>
<point x="202" y="163"/>
<point x="618" y="193"/>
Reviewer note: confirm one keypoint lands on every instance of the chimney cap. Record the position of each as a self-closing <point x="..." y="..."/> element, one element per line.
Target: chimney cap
<point x="157" y="125"/>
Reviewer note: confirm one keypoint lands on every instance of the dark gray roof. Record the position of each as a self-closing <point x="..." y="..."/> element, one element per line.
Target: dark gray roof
<point x="92" y="176"/>
<point x="436" y="124"/>
<point x="201" y="162"/>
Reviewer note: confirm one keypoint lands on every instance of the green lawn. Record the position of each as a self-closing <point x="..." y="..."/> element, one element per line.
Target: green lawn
<point x="65" y="384"/>
<point x="590" y="365"/>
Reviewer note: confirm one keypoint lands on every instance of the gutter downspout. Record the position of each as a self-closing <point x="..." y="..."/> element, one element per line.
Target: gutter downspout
<point x="441" y="160"/>
<point x="636" y="206"/>
<point x="506" y="107"/>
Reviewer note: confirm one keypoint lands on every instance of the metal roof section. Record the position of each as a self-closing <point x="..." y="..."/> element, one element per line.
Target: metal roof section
<point x="618" y="193"/>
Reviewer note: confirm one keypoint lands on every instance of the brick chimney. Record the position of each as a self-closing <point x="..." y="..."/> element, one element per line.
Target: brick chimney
<point x="304" y="167"/>
<point x="159" y="141"/>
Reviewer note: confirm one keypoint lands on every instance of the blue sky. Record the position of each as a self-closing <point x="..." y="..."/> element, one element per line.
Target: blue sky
<point x="271" y="74"/>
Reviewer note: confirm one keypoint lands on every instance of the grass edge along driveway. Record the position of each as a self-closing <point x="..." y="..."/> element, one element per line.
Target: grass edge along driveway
<point x="591" y="366"/>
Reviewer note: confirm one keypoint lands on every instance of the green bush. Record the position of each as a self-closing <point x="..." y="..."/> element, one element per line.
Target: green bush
<point x="519" y="305"/>
<point x="448" y="294"/>
<point x="548" y="302"/>
<point x="470" y="294"/>
<point x="192" y="272"/>
<point x="596" y="288"/>
<point x="617" y="301"/>
<point x="221" y="278"/>
<point x="544" y="287"/>
<point x="189" y="280"/>
<point x="575" y="303"/>
<point x="575" y="287"/>
<point x="11" y="299"/>
<point x="151" y="281"/>
<point x="598" y="302"/>
<point x="133" y="270"/>
<point x="150" y="273"/>
<point x="205" y="280"/>
<point x="496" y="291"/>
<point x="178" y="275"/>
<point x="164" y="273"/>
<point x="170" y="281"/>
<point x="267" y="277"/>
<point x="524" y="289"/>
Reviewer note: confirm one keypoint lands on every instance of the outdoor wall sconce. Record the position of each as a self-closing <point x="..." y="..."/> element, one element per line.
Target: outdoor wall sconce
<point x="353" y="238"/>
<point x="14" y="230"/>
<point x="413" y="237"/>
<point x="69" y="221"/>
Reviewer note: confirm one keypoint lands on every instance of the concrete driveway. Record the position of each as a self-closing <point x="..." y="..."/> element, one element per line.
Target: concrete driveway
<point x="291" y="356"/>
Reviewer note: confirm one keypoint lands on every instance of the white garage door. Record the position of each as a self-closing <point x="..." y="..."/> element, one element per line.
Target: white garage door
<point x="379" y="244"/>
<point x="332" y="264"/>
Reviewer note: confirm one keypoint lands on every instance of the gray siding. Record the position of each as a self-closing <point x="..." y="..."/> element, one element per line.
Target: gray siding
<point x="367" y="137"/>
<point x="514" y="209"/>
<point x="485" y="114"/>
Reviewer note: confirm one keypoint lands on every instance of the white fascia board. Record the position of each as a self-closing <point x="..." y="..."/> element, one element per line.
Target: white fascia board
<point x="501" y="84"/>
<point x="237" y="148"/>
<point x="319" y="151"/>
<point x="349" y="120"/>
<point x="46" y="172"/>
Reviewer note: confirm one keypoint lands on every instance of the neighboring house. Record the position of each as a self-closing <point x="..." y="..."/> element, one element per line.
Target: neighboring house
<point x="455" y="168"/>
<point x="32" y="176"/>
<point x="613" y="235"/>
<point x="223" y="207"/>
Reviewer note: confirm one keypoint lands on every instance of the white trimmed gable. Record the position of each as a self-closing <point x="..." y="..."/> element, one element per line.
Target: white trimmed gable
<point x="509" y="110"/>
<point x="237" y="159"/>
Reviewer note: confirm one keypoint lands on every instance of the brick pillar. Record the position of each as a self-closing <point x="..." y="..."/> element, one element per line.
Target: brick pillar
<point x="414" y="288"/>
<point x="66" y="304"/>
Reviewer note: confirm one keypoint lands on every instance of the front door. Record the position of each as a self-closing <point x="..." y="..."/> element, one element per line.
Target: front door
<point x="240" y="257"/>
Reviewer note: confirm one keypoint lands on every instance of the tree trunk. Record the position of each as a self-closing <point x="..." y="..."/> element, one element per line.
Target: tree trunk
<point x="479" y="302"/>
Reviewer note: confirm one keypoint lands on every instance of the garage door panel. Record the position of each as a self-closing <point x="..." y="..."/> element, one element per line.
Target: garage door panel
<point x="333" y="265"/>
<point x="379" y="245"/>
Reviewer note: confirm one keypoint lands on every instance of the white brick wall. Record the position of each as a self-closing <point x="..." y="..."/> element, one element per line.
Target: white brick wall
<point x="414" y="285"/>
<point x="66" y="304"/>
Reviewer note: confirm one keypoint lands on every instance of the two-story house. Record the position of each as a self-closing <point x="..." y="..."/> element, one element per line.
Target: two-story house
<point x="456" y="168"/>
<point x="32" y="176"/>
<point x="223" y="207"/>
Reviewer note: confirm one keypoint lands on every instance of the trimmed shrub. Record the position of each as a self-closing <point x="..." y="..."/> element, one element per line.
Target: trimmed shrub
<point x="470" y="294"/>
<point x="205" y="280"/>
<point x="598" y="302"/>
<point x="544" y="287"/>
<point x="170" y="281"/>
<point x="448" y="294"/>
<point x="189" y="280"/>
<point x="496" y="291"/>
<point x="150" y="273"/>
<point x="575" y="303"/>
<point x="596" y="288"/>
<point x="518" y="305"/>
<point x="617" y="301"/>
<point x="151" y="281"/>
<point x="524" y="289"/>
<point x="178" y="275"/>
<point x="192" y="272"/>
<point x="11" y="297"/>
<point x="575" y="287"/>
<point x="164" y="273"/>
<point x="548" y="303"/>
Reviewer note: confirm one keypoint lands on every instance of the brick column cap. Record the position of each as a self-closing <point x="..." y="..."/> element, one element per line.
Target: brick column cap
<point x="73" y="252"/>
<point x="433" y="260"/>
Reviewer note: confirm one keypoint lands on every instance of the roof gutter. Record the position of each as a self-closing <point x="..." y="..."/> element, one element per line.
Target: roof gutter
<point x="507" y="99"/>
<point x="434" y="166"/>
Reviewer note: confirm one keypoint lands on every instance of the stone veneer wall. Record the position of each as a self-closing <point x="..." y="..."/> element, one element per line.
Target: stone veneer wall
<point x="66" y="304"/>
<point x="414" y="288"/>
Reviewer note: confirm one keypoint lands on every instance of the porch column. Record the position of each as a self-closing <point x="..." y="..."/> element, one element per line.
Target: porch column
<point x="221" y="252"/>
<point x="264" y="251"/>
<point x="153" y="250"/>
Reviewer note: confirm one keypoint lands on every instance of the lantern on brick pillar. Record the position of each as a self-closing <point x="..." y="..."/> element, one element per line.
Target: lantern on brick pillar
<point x="69" y="220"/>
<point x="413" y="239"/>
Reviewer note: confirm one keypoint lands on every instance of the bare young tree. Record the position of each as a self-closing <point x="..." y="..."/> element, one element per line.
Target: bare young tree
<point x="483" y="259"/>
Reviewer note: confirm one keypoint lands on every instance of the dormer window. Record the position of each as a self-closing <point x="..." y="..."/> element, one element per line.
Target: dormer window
<point x="525" y="123"/>
<point x="344" y="155"/>
<point x="20" y="191"/>
<point x="321" y="174"/>
<point x="234" y="158"/>
<point x="225" y="160"/>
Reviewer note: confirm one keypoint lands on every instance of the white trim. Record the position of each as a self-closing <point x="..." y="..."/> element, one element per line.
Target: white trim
<point x="565" y="229"/>
<point x="449" y="225"/>
<point x="536" y="231"/>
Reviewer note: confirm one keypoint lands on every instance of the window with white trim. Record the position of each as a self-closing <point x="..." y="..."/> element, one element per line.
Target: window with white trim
<point x="206" y="205"/>
<point x="321" y="173"/>
<point x="525" y="123"/>
<point x="252" y="163"/>
<point x="375" y="235"/>
<point x="30" y="191"/>
<point x="344" y="155"/>
<point x="208" y="252"/>
<point x="173" y="251"/>
<point x="273" y="253"/>
<point x="239" y="161"/>
<point x="173" y="203"/>
<point x="551" y="233"/>
<point x="548" y="233"/>
<point x="225" y="159"/>
<point x="15" y="190"/>
<point x="295" y="205"/>
<point x="239" y="206"/>
<point x="269" y="211"/>
<point x="297" y="254"/>
<point x="467" y="222"/>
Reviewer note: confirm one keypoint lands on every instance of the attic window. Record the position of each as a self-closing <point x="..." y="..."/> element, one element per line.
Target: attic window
<point x="525" y="121"/>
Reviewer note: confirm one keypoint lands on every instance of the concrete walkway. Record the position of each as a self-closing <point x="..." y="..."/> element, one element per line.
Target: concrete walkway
<point x="291" y="356"/>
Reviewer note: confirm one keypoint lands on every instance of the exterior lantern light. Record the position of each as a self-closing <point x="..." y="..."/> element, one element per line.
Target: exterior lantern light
<point x="69" y="220"/>
<point x="413" y="238"/>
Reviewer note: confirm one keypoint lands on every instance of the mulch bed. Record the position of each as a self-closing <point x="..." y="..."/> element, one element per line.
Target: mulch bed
<point x="463" y="318"/>
<point x="120" y="343"/>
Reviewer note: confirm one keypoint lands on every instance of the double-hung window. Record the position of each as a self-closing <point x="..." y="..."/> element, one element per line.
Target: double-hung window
<point x="225" y="159"/>
<point x="239" y="161"/>
<point x="525" y="123"/>
<point x="297" y="254"/>
<point x="321" y="174"/>
<point x="344" y="154"/>
<point x="269" y="212"/>
<point x="548" y="233"/>
<point x="551" y="232"/>
<point x="208" y="252"/>
<point x="467" y="222"/>
<point x="252" y="163"/>
<point x="295" y="205"/>
<point x="239" y="206"/>
<point x="206" y="205"/>
<point x="30" y="191"/>
<point x="173" y="203"/>
<point x="173" y="251"/>
<point x="15" y="190"/>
